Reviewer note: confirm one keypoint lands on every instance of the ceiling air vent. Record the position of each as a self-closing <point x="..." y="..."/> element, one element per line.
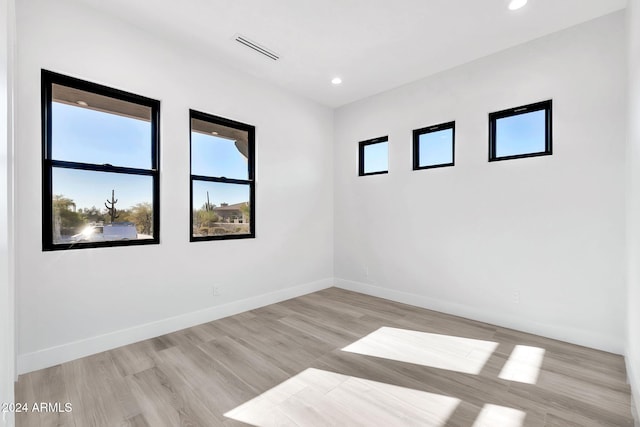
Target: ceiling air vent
<point x="255" y="46"/>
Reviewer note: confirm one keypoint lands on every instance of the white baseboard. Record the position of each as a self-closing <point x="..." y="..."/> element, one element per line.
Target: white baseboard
<point x="52" y="356"/>
<point x="8" y="419"/>
<point x="574" y="336"/>
<point x="632" y="375"/>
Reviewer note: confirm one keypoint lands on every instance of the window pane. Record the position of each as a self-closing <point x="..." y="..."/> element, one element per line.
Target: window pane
<point x="220" y="209"/>
<point x="376" y="157"/>
<point x="105" y="130"/>
<point x="81" y="198"/>
<point x="436" y="148"/>
<point x="521" y="134"/>
<point x="218" y="150"/>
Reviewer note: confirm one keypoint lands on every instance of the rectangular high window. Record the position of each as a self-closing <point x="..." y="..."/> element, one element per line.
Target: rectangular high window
<point x="520" y="132"/>
<point x="222" y="178"/>
<point x="434" y="146"/>
<point x="373" y="156"/>
<point x="100" y="165"/>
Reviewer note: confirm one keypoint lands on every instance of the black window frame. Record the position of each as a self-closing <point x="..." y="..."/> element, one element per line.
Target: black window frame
<point x="361" y="147"/>
<point x="431" y="129"/>
<point x="251" y="136"/>
<point x="547" y="106"/>
<point x="48" y="79"/>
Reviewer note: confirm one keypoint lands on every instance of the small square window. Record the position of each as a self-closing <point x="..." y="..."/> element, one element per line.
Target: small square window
<point x="433" y="146"/>
<point x="520" y="132"/>
<point x="374" y="156"/>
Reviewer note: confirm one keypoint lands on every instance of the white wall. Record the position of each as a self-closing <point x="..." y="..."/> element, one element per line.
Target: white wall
<point x="465" y="239"/>
<point x="76" y="302"/>
<point x="633" y="200"/>
<point x="7" y="312"/>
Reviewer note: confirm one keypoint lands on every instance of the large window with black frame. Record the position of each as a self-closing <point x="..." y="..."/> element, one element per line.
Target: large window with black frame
<point x="100" y="165"/>
<point x="222" y="178"/>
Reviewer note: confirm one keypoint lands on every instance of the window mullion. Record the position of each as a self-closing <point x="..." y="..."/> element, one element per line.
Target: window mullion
<point x="221" y="179"/>
<point x="101" y="168"/>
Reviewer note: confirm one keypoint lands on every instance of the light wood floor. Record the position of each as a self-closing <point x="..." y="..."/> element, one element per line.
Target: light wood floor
<point x="336" y="358"/>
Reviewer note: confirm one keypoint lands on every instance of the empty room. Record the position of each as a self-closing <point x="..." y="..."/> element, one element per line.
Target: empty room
<point x="320" y="213"/>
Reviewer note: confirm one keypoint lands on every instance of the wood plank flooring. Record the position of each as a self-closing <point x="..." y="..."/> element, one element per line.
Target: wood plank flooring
<point x="336" y="358"/>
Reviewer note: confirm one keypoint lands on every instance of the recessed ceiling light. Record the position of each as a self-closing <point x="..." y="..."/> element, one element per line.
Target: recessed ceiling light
<point x="214" y="133"/>
<point x="84" y="104"/>
<point x="336" y="80"/>
<point x="517" y="4"/>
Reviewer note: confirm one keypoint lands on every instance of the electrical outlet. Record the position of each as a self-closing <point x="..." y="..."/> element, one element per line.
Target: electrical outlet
<point x="516" y="297"/>
<point x="366" y="271"/>
<point x="216" y="291"/>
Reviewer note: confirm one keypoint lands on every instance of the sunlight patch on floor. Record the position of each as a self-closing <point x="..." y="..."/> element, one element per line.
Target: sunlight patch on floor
<point x="319" y="398"/>
<point x="422" y="348"/>
<point x="523" y="364"/>
<point x="495" y="415"/>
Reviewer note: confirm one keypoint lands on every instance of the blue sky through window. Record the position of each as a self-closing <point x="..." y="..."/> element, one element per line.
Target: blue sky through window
<point x="218" y="157"/>
<point x="376" y="157"/>
<point x="81" y="134"/>
<point x="89" y="136"/>
<point x="436" y="148"/>
<point x="521" y="134"/>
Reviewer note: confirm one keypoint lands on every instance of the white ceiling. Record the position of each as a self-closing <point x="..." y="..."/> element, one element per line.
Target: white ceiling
<point x="373" y="45"/>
